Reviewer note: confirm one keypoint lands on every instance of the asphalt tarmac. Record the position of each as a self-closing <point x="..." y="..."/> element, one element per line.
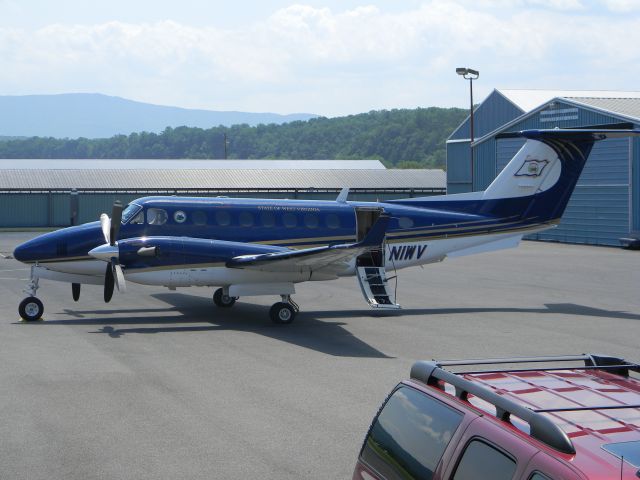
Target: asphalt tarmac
<point x="164" y="385"/>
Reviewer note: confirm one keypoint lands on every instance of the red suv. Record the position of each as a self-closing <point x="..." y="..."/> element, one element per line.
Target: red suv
<point x="551" y="423"/>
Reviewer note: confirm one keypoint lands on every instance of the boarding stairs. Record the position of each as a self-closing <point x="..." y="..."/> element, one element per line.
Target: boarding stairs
<point x="375" y="288"/>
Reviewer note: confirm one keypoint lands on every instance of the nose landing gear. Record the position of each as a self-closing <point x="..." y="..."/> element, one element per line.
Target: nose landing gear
<point x="31" y="308"/>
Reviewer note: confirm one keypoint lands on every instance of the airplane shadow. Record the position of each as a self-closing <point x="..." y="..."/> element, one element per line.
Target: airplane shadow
<point x="311" y="329"/>
<point x="549" y="308"/>
<point x="306" y="331"/>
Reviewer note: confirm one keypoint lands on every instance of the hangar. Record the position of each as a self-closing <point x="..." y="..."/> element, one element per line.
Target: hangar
<point x="58" y="193"/>
<point x="605" y="205"/>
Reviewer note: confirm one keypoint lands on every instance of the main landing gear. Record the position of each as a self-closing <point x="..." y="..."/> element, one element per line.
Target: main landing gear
<point x="281" y="312"/>
<point x="31" y="308"/>
<point x="223" y="300"/>
<point x="285" y="311"/>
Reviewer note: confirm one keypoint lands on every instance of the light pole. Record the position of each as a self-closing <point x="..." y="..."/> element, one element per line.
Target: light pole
<point x="471" y="75"/>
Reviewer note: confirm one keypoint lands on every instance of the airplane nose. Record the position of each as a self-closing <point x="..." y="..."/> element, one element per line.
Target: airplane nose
<point x="61" y="244"/>
<point x="35" y="249"/>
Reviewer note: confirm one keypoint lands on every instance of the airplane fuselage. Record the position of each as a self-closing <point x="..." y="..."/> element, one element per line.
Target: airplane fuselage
<point x="415" y="236"/>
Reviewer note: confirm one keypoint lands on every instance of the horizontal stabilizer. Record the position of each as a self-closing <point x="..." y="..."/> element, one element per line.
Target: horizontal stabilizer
<point x="574" y="134"/>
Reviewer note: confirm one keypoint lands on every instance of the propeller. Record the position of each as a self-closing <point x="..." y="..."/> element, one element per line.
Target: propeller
<point x="109" y="252"/>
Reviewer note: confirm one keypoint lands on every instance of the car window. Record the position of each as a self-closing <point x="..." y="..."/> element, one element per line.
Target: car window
<point x="409" y="435"/>
<point x="156" y="216"/>
<point x="481" y="461"/>
<point x="538" y="476"/>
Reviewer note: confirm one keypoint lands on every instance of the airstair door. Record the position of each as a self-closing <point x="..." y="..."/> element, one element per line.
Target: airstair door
<point x="375" y="288"/>
<point x="370" y="266"/>
<point x="365" y="219"/>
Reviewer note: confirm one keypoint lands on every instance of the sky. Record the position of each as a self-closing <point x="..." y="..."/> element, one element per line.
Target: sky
<point x="328" y="57"/>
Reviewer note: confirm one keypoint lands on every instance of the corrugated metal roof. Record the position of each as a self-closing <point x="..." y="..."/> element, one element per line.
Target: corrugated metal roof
<point x="187" y="164"/>
<point x="629" y="107"/>
<point x="529" y="99"/>
<point x="26" y="179"/>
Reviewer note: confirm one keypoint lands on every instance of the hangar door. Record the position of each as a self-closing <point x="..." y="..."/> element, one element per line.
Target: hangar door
<point x="598" y="211"/>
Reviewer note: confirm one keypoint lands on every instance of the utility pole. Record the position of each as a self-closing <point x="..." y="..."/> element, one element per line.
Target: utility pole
<point x="471" y="75"/>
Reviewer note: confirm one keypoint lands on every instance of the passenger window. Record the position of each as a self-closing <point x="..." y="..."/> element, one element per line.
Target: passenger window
<point x="410" y="435"/>
<point x="268" y="219"/>
<point x="483" y="462"/>
<point x="311" y="220"/>
<point x="405" y="222"/>
<point x="332" y="220"/>
<point x="156" y="216"/>
<point x="223" y="218"/>
<point x="246" y="219"/>
<point x="199" y="218"/>
<point x="179" y="216"/>
<point x="289" y="220"/>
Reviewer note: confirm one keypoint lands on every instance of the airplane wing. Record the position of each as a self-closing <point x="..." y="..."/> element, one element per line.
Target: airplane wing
<point x="314" y="258"/>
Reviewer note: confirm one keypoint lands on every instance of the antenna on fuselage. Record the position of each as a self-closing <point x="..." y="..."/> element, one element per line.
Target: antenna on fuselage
<point x="342" y="196"/>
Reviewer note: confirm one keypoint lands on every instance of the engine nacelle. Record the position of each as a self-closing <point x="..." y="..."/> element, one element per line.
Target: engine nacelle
<point x="150" y="252"/>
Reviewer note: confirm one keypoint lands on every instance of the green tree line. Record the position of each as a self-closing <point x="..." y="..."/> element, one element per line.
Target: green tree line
<point x="403" y="138"/>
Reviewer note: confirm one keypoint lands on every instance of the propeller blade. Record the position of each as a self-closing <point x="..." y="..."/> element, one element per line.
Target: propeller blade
<point x="108" y="283"/>
<point x="75" y="291"/>
<point x="116" y="220"/>
<point x="105" y="224"/>
<point x="119" y="276"/>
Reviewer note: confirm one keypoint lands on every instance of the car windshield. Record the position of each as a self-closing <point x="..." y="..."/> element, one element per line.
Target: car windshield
<point x="130" y="212"/>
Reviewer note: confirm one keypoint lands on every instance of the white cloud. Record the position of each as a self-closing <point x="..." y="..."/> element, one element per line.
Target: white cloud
<point x="622" y="6"/>
<point x="303" y="58"/>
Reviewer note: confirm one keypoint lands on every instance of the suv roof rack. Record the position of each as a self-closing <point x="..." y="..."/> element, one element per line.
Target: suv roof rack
<point x="541" y="427"/>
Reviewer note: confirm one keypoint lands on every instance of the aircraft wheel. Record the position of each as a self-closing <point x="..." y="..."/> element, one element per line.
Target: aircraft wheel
<point x="282" y="313"/>
<point x="222" y="300"/>
<point x="31" y="309"/>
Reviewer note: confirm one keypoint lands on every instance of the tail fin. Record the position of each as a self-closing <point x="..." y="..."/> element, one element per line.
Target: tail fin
<point x="540" y="178"/>
<point x="536" y="184"/>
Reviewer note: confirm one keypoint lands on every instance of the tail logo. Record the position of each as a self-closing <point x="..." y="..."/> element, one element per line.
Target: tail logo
<point x="531" y="167"/>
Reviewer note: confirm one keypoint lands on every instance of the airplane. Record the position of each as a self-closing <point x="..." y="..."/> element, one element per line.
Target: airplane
<point x="250" y="247"/>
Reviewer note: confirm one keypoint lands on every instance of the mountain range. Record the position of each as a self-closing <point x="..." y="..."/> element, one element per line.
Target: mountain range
<point x="93" y="115"/>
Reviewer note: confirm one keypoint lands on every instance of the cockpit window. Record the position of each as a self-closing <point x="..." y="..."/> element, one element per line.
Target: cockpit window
<point x="156" y="216"/>
<point x="138" y="219"/>
<point x="130" y="212"/>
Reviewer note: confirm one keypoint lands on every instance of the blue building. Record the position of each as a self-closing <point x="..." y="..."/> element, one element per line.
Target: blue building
<point x="605" y="205"/>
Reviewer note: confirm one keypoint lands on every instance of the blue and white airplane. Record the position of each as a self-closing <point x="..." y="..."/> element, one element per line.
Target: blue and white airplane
<point x="250" y="247"/>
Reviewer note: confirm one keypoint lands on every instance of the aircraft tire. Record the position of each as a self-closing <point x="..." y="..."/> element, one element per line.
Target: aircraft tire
<point x="282" y="313"/>
<point x="222" y="300"/>
<point x="31" y="309"/>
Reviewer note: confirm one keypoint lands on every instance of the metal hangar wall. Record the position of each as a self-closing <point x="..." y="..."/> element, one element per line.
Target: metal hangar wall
<point x="59" y="193"/>
<point x="605" y="205"/>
